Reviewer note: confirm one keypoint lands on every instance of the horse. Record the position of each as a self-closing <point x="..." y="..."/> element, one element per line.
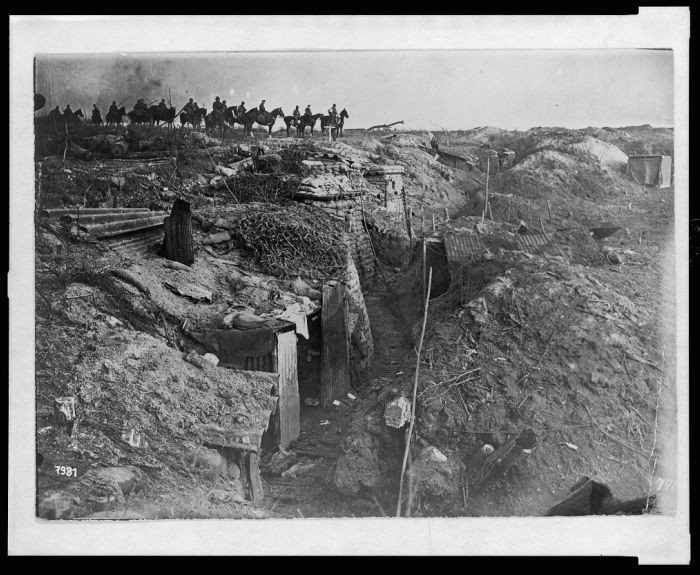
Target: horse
<point x="263" y="119"/>
<point x="193" y="118"/>
<point x="215" y="119"/>
<point x="291" y="121"/>
<point x="115" y="117"/>
<point x="326" y="122"/>
<point x="140" y="116"/>
<point x="74" y="118"/>
<point x="159" y="114"/>
<point x="308" y="121"/>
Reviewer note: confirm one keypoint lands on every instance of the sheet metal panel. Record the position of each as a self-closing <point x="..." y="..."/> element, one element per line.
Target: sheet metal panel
<point x="460" y="247"/>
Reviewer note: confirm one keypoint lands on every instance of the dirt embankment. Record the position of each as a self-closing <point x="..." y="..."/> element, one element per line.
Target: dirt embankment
<point x="563" y="340"/>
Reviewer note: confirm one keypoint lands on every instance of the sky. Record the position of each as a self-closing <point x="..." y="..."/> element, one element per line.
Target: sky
<point x="451" y="89"/>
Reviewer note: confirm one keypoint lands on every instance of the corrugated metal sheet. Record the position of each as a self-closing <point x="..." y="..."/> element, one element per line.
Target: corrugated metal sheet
<point x="460" y="247"/>
<point x="533" y="241"/>
<point x="56" y="212"/>
<point x="135" y="242"/>
<point x="263" y="363"/>
<point x="335" y="379"/>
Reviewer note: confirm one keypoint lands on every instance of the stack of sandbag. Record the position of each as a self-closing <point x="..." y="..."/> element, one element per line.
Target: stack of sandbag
<point x="325" y="186"/>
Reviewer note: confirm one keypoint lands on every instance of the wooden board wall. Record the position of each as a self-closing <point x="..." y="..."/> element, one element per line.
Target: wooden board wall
<point x="335" y="379"/>
<point x="288" y="387"/>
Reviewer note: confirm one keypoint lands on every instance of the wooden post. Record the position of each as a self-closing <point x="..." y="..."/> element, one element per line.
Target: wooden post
<point x="422" y="221"/>
<point x="407" y="215"/>
<point x="336" y="353"/>
<point x="177" y="244"/>
<point x="415" y="390"/>
<point x="549" y="209"/>
<point x="541" y="225"/>
<point x="256" y="488"/>
<point x="425" y="269"/>
<point x="506" y="456"/>
<point x="433" y="222"/>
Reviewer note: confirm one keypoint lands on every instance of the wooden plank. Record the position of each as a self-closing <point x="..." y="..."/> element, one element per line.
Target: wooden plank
<point x="177" y="245"/>
<point x="335" y="380"/>
<point x="256" y="488"/>
<point x="288" y="388"/>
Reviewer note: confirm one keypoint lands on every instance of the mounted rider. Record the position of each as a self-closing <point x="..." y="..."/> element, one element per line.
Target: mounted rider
<point x="333" y="113"/>
<point x="189" y="107"/>
<point x="296" y="114"/>
<point x="113" y="108"/>
<point x="307" y="112"/>
<point x="217" y="106"/>
<point x="162" y="106"/>
<point x="261" y="107"/>
<point x="96" y="115"/>
<point x="140" y="105"/>
<point x="241" y="109"/>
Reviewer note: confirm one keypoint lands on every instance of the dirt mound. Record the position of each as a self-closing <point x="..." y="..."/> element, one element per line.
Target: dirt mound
<point x="608" y="155"/>
<point x="526" y="348"/>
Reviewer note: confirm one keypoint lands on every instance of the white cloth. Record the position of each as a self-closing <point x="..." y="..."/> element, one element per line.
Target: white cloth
<point x="296" y="315"/>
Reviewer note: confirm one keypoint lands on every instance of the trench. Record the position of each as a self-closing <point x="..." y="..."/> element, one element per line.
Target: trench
<point x="391" y="310"/>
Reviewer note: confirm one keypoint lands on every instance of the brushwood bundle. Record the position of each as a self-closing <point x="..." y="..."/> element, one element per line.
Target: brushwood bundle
<point x="293" y="241"/>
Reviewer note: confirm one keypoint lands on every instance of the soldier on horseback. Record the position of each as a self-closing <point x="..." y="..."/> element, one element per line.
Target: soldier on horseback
<point x="113" y="110"/>
<point x="217" y="106"/>
<point x="333" y="113"/>
<point x="261" y="107"/>
<point x="307" y="112"/>
<point x="96" y="115"/>
<point x="241" y="110"/>
<point x="296" y="113"/>
<point x="140" y="105"/>
<point x="189" y="107"/>
<point x="162" y="106"/>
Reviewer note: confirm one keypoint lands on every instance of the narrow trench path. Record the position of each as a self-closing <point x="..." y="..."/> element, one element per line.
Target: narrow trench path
<point x="311" y="493"/>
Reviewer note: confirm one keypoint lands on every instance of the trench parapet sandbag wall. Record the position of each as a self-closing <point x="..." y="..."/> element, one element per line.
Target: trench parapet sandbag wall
<point x="335" y="379"/>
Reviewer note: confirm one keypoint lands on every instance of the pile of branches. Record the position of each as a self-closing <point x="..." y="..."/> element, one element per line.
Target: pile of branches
<point x="271" y="188"/>
<point x="294" y="155"/>
<point x="293" y="241"/>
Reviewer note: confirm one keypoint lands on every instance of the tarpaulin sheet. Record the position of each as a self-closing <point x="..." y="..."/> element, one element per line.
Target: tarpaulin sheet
<point x="650" y="170"/>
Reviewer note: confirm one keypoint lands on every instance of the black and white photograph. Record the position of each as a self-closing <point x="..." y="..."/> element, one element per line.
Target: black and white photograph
<point x="264" y="288"/>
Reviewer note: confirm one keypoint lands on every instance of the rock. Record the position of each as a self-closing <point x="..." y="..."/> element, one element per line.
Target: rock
<point x="211" y="358"/>
<point x="487" y="449"/>
<point x="434" y="454"/>
<point x="129" y="479"/>
<point x="195" y="359"/>
<point x="398" y="412"/>
<point x="58" y="505"/>
<point x="358" y="467"/>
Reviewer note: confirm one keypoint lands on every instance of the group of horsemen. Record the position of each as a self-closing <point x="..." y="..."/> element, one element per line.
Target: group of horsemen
<point x="219" y="107"/>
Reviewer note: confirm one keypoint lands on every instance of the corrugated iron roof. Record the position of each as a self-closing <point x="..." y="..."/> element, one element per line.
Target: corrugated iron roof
<point x="532" y="241"/>
<point x="460" y="247"/>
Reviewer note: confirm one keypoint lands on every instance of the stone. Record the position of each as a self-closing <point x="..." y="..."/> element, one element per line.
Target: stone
<point x="211" y="358"/>
<point x="398" y="412"/>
